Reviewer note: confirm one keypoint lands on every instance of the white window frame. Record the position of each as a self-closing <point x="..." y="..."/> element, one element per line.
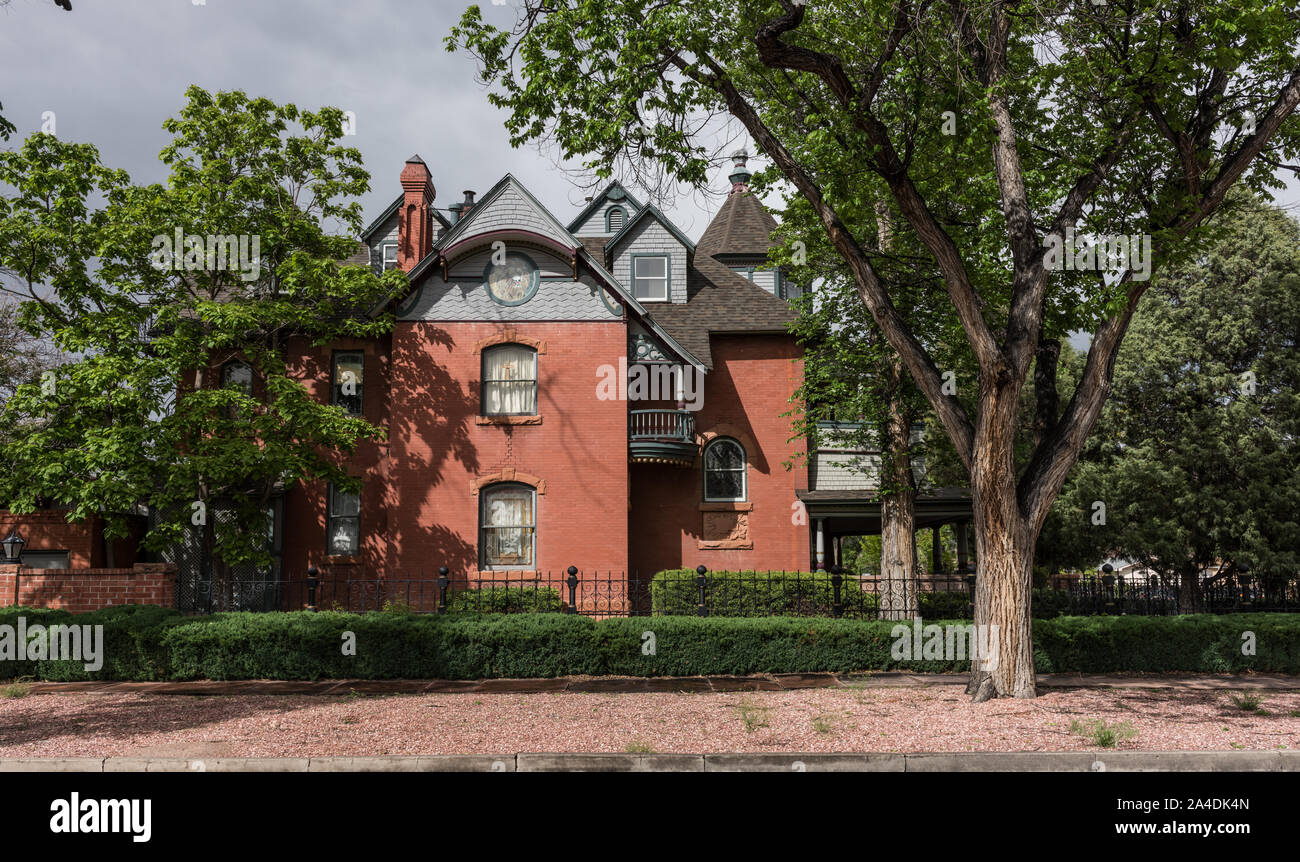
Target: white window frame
<point x="666" y="278"/>
<point x="383" y="256"/>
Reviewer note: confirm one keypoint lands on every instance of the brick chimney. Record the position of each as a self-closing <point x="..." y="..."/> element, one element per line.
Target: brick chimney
<point x="415" y="221"/>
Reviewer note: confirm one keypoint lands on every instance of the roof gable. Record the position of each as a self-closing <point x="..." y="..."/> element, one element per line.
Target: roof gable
<point x="650" y="211"/>
<point x="612" y="192"/>
<point x="507" y="206"/>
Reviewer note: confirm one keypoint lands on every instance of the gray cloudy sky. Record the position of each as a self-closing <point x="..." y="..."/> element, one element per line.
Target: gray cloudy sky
<point x="113" y="70"/>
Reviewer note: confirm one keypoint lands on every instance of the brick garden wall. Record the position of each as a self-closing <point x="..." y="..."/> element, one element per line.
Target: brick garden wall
<point x="81" y="590"/>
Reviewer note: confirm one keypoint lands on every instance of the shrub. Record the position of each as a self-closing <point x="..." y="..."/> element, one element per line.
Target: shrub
<point x="158" y="644"/>
<point x="675" y="592"/>
<point x="505" y="600"/>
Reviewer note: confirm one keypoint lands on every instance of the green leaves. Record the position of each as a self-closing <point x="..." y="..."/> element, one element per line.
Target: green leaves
<point x="137" y="416"/>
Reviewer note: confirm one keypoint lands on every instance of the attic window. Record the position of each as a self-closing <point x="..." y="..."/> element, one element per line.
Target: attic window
<point x="390" y="256"/>
<point x="615" y="218"/>
<point x="650" y="276"/>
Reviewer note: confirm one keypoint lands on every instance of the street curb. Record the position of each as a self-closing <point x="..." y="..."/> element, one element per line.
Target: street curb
<point x="964" y="761"/>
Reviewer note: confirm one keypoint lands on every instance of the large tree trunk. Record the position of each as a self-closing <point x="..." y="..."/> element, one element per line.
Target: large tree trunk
<point x="1189" y="590"/>
<point x="900" y="586"/>
<point x="1004" y="546"/>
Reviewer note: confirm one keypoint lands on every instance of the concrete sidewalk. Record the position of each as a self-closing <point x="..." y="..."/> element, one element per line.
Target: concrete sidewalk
<point x="1062" y="761"/>
<point x="625" y="684"/>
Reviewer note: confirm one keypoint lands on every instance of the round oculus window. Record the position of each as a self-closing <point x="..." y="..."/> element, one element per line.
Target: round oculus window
<point x="514" y="281"/>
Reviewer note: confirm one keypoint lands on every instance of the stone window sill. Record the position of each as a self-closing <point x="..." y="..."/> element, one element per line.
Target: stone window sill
<point x="508" y="420"/>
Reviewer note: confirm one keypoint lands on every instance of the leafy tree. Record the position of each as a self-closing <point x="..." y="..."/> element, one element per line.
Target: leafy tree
<point x="1197" y="455"/>
<point x="141" y="416"/>
<point x="1129" y="119"/>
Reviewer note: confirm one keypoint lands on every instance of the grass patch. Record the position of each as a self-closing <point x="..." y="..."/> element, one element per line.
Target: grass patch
<point x="753" y="715"/>
<point x="1101" y="734"/>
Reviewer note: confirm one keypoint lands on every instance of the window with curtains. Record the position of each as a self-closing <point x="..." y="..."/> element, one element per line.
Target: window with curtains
<point x="508" y="527"/>
<point x="509" y="381"/>
<point x="724" y="471"/>
<point x="343" y="523"/>
<point x="347" y="378"/>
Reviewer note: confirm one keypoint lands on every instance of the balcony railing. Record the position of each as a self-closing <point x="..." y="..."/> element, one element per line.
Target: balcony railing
<point x="662" y="437"/>
<point x="661" y="425"/>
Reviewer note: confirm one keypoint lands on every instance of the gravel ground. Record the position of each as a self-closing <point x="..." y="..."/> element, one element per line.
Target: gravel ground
<point x="811" y="720"/>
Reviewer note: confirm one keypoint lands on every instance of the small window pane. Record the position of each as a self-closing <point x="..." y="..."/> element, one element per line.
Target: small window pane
<point x="651" y="267"/>
<point x="45" y="559"/>
<point x="390" y="257"/>
<point x="348" y="376"/>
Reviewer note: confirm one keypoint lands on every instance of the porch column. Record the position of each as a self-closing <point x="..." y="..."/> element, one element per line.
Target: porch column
<point x="936" y="551"/>
<point x="963" y="554"/>
<point x="821" y="544"/>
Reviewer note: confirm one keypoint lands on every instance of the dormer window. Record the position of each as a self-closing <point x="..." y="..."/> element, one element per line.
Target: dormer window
<point x="650" y="277"/>
<point x="390" y="256"/>
<point x="615" y="218"/>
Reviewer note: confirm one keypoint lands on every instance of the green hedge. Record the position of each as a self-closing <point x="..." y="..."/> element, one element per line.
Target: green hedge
<point x="675" y="592"/>
<point x="505" y="600"/>
<point x="144" y="643"/>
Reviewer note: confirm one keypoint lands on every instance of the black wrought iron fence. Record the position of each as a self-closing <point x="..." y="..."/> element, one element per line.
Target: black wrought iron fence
<point x="596" y="594"/>
<point x="1151" y="597"/>
<point x="698" y="592"/>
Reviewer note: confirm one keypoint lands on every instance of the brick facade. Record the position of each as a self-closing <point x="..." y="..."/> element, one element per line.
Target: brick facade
<point x="81" y="590"/>
<point x="596" y="506"/>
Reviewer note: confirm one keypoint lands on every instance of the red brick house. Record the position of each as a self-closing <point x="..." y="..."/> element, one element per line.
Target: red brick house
<point x="601" y="392"/>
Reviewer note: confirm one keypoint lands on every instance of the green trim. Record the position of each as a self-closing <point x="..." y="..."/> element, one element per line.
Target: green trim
<point x="604" y="298"/>
<point x="668" y="274"/>
<point x="533" y="282"/>
<point x="609" y="212"/>
<point x="599" y="200"/>
<point x="661" y="218"/>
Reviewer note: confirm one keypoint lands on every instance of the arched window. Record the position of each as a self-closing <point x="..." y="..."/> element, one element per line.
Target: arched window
<point x="724" y="471"/>
<point x="507" y="535"/>
<point x="615" y="218"/>
<point x="509" y="380"/>
<point x="237" y="375"/>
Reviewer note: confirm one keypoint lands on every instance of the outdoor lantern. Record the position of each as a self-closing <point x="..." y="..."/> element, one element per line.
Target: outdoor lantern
<point x="13" y="547"/>
<point x="1106" y="577"/>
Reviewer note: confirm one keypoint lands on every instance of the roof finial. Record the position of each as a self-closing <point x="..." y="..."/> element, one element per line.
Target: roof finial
<point x="740" y="176"/>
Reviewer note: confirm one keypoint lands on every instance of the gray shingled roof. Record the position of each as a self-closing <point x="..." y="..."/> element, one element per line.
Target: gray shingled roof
<point x="717" y="299"/>
<point x="742" y="227"/>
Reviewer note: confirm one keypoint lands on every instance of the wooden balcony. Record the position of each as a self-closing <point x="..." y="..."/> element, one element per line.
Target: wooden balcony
<point x="662" y="437"/>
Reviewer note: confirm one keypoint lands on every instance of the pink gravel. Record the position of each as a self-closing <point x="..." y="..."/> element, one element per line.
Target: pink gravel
<point x="810" y="720"/>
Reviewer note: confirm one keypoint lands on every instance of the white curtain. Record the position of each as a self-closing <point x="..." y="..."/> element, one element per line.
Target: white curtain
<point x="510" y="376"/>
<point x="509" y="517"/>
